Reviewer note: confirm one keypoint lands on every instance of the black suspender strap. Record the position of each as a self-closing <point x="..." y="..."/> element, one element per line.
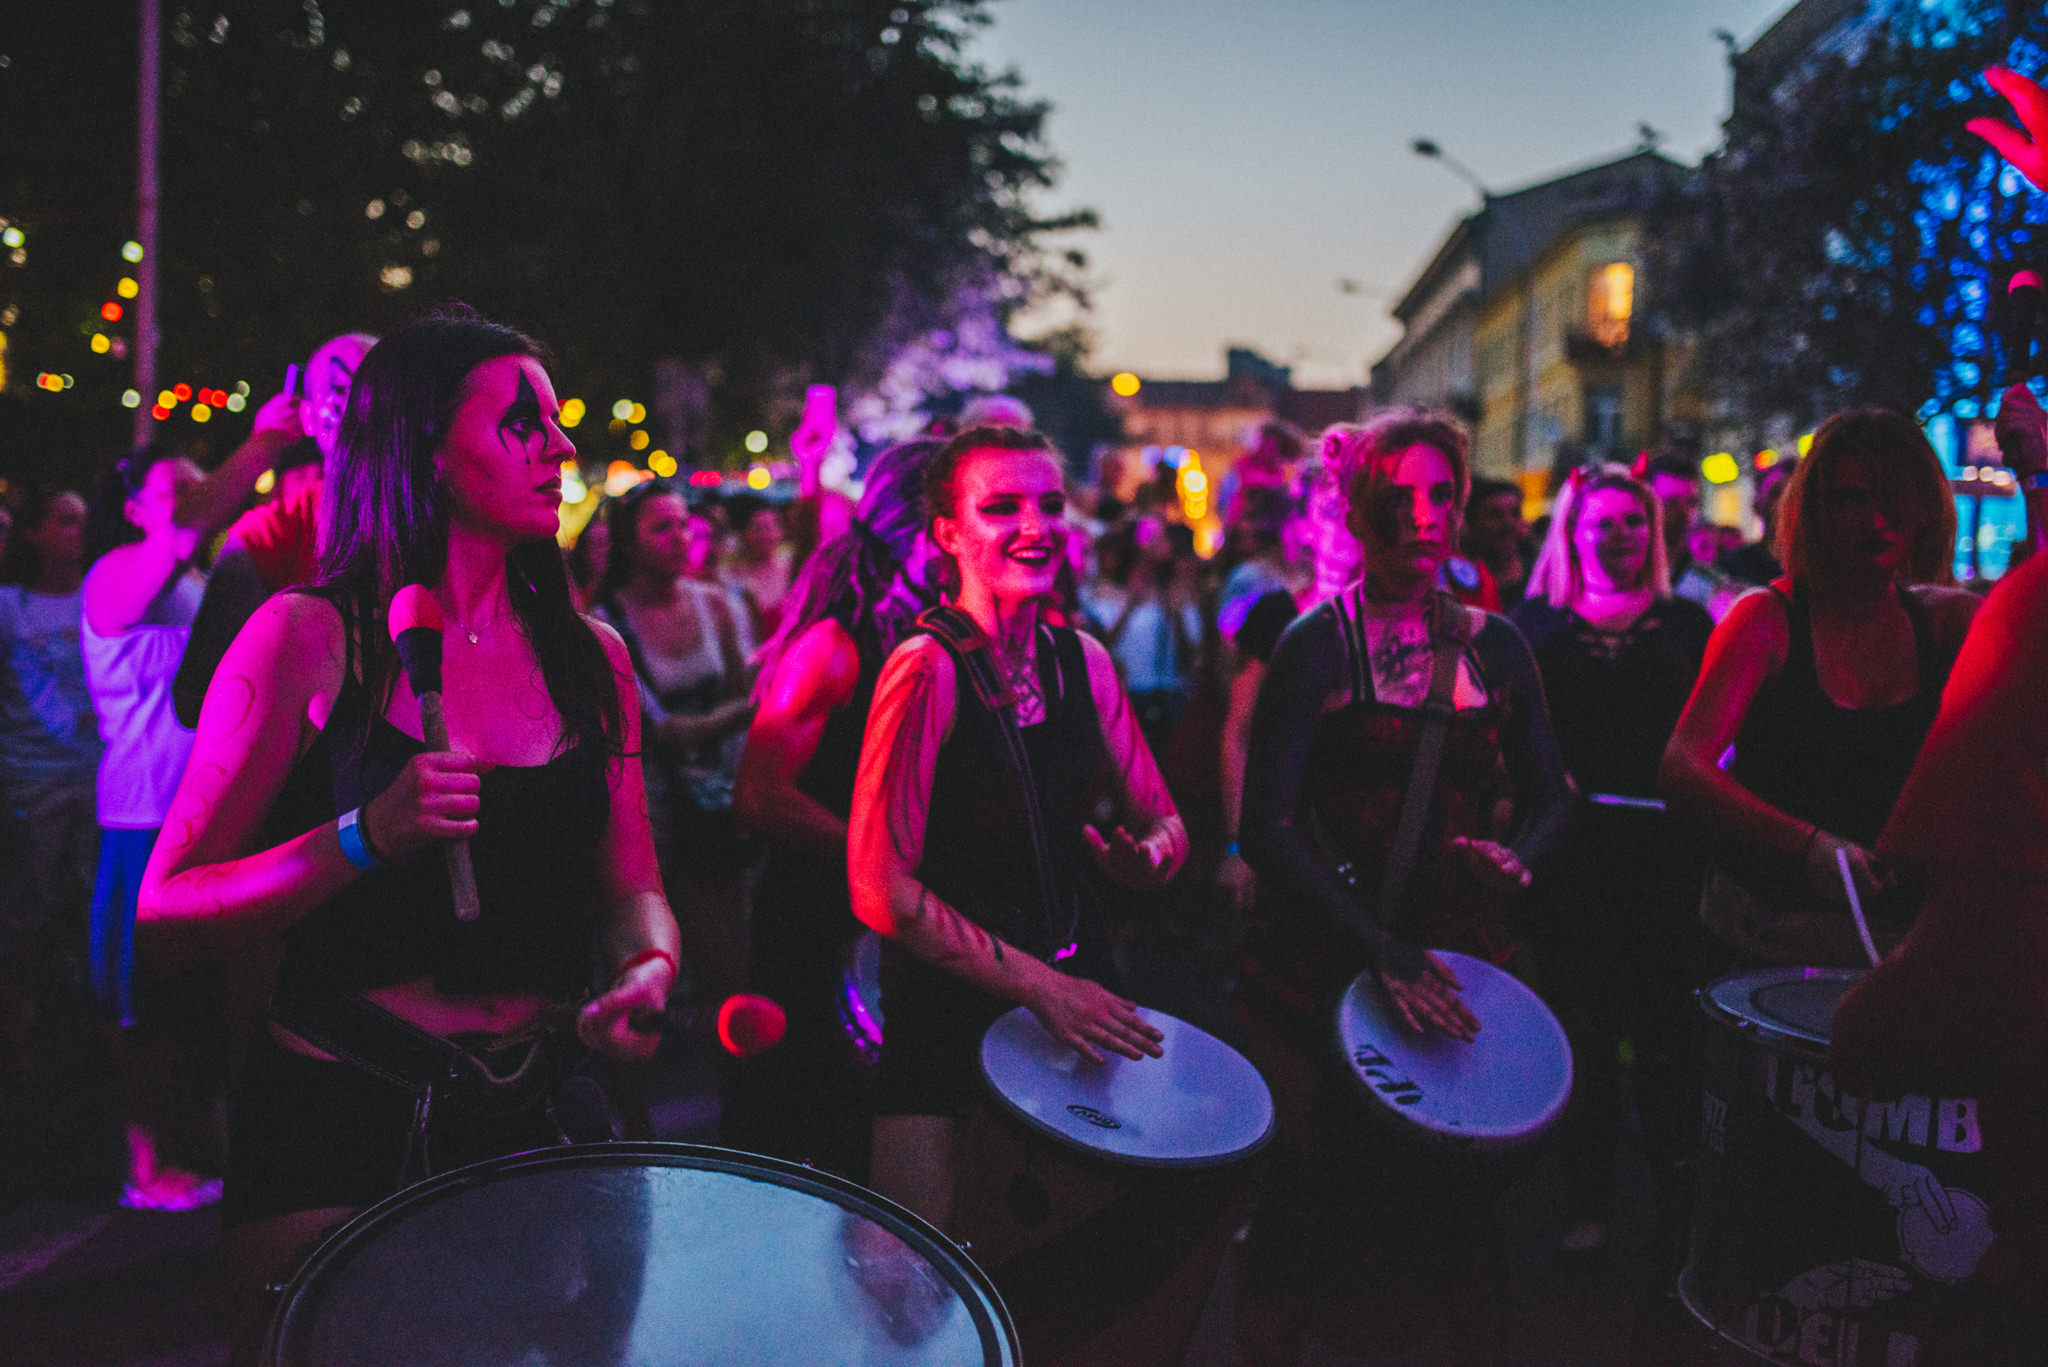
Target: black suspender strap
<point x="970" y="648"/>
<point x="1449" y="628"/>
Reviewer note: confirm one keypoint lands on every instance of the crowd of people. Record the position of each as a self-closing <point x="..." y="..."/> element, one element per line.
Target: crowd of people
<point x="993" y="714"/>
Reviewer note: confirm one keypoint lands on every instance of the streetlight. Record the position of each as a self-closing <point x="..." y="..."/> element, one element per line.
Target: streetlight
<point x="1525" y="418"/>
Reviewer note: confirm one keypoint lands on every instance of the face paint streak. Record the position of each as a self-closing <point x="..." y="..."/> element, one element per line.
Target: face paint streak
<point x="524" y="411"/>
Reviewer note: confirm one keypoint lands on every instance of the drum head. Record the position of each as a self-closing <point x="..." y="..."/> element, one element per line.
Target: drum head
<point x="1788" y="1006"/>
<point x="1500" y="1091"/>
<point x="643" y="1253"/>
<point x="1198" y="1105"/>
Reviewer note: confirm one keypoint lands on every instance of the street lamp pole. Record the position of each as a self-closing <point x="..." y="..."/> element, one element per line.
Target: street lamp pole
<point x="149" y="100"/>
<point x="1525" y="411"/>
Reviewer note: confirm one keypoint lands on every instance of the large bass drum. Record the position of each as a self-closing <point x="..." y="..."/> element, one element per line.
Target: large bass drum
<point x="1827" y="1229"/>
<point x="657" y="1255"/>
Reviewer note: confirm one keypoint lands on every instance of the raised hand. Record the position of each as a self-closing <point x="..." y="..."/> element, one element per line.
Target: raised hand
<point x="2022" y="431"/>
<point x="2026" y="150"/>
<point x="1130" y="863"/>
<point x="1492" y="863"/>
<point x="612" y="1024"/>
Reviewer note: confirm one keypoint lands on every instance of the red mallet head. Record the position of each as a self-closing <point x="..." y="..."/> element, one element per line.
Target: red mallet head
<point x="749" y="1024"/>
<point x="2023" y="280"/>
<point x="412" y="606"/>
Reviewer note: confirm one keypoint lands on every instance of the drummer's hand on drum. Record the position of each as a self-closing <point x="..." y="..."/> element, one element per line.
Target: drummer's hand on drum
<point x="1084" y="1015"/>
<point x="613" y="1023"/>
<point x="1492" y="863"/>
<point x="1871" y="874"/>
<point x="1127" y="862"/>
<point x="1425" y="991"/>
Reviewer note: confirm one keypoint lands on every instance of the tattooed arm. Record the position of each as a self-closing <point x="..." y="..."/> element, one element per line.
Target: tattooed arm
<point x="1150" y="857"/>
<point x="634" y="912"/>
<point x="279" y="678"/>
<point x="912" y="716"/>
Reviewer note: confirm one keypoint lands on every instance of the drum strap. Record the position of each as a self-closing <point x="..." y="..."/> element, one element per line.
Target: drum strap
<point x="969" y="647"/>
<point x="1449" y="627"/>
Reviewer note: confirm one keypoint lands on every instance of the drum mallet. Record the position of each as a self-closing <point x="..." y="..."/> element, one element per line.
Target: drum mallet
<point x="416" y="628"/>
<point x="2023" y="315"/>
<point x="1856" y="904"/>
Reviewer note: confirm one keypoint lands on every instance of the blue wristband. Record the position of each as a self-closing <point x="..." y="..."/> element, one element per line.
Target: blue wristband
<point x="1230" y="850"/>
<point x="349" y="831"/>
<point x="2034" y="482"/>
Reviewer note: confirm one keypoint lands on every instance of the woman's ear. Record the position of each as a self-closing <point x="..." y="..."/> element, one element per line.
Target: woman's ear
<point x="945" y="535"/>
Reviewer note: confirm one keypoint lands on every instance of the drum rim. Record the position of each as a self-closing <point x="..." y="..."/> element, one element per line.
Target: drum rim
<point x="1066" y="1141"/>
<point x="1492" y="1139"/>
<point x="974" y="1287"/>
<point x="1771" y="1031"/>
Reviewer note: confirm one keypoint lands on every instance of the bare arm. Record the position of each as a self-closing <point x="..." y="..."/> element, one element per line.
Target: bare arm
<point x="1233" y="872"/>
<point x="1150" y="844"/>
<point x="816" y="677"/>
<point x="636" y="920"/>
<point x="212" y="503"/>
<point x="1745" y="652"/>
<point x="912" y="717"/>
<point x="206" y="870"/>
<point x="233" y="594"/>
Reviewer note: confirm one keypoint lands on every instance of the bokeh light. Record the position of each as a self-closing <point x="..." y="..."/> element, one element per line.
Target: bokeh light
<point x="266" y="481"/>
<point x="1719" y="468"/>
<point x="101" y="344"/>
<point x="639" y="440"/>
<point x="662" y="463"/>
<point x="131" y="252"/>
<point x="182" y="390"/>
<point x="130" y="399"/>
<point x="1124" y="384"/>
<point x="236" y="403"/>
<point x="127" y="289"/>
<point x="572" y="412"/>
<point x="758" y="477"/>
<point x="623" y="410"/>
<point x="111" y="311"/>
<point x="202" y="412"/>
<point x="757" y="442"/>
<point x="13" y="237"/>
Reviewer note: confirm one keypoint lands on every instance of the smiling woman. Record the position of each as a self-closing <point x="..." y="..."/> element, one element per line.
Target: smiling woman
<point x="973" y="814"/>
<point x="313" y="812"/>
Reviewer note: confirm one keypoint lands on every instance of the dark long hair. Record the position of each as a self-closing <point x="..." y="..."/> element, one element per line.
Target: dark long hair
<point x="858" y="568"/>
<point x="386" y="518"/>
<point x="623" y="514"/>
<point x="106" y="518"/>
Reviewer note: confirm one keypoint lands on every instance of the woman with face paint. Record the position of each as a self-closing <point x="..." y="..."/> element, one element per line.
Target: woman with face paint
<point x="1614" y="907"/>
<point x="1355" y="1242"/>
<point x="855" y="600"/>
<point x="1825" y="683"/>
<point x="975" y="877"/>
<point x="403" y="1040"/>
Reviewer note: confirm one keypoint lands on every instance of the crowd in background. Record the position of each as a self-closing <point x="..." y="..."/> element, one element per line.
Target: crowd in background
<point x="698" y="582"/>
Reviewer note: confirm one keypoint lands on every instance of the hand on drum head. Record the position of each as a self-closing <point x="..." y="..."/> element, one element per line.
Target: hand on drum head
<point x="1493" y="864"/>
<point x="1425" y="992"/>
<point x="1084" y="1015"/>
<point x="1825" y="875"/>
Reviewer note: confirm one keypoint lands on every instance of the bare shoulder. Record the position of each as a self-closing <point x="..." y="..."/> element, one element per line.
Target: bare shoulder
<point x="1951" y="609"/>
<point x="1759" y="614"/>
<point x="1104" y="684"/>
<point x="614" y="644"/>
<point x="826" y="648"/>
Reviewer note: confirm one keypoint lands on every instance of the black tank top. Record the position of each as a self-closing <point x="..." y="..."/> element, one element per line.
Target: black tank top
<point x="535" y="851"/>
<point x="978" y="853"/>
<point x="1841" y="768"/>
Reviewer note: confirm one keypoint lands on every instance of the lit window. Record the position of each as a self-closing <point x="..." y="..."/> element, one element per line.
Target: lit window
<point x="1610" y="300"/>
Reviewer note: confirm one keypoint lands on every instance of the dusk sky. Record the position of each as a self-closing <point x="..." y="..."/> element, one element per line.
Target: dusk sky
<point x="1245" y="155"/>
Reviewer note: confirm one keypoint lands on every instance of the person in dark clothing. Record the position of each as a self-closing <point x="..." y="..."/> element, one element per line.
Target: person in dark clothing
<point x="1757" y="562"/>
<point x="1366" y="1247"/>
<point x="1612" y="910"/>
<point x="969" y="859"/>
<point x="1825" y="683"/>
<point x="1497" y="536"/>
<point x="810" y="1098"/>
<point x="435" y="1039"/>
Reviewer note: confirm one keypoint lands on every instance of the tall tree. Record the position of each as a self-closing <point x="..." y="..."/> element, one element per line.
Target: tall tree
<point x="1849" y="243"/>
<point x="754" y="193"/>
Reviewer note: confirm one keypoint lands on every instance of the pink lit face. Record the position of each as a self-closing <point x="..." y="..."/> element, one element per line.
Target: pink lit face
<point x="663" y="533"/>
<point x="329" y="373"/>
<point x="1407" y="530"/>
<point x="501" y="462"/>
<point x="764" y="532"/>
<point x="703" y="545"/>
<point x="1611" y="539"/>
<point x="1008" y="531"/>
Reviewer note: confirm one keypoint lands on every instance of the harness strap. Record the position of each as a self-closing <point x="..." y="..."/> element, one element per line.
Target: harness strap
<point x="969" y="646"/>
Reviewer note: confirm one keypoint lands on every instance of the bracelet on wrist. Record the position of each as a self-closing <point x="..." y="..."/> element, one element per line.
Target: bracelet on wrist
<point x="2035" y="482"/>
<point x="355" y="845"/>
<point x="1230" y="850"/>
<point x="674" y="969"/>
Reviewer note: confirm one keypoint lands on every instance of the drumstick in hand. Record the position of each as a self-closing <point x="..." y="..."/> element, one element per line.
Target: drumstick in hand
<point x="416" y="628"/>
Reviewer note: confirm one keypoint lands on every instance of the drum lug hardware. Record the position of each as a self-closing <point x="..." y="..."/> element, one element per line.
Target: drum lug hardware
<point x="964" y="1245"/>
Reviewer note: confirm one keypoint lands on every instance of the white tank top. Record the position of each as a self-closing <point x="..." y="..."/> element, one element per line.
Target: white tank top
<point x="129" y="676"/>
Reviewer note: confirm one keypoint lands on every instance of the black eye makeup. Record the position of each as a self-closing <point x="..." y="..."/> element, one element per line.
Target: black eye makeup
<point x="522" y="419"/>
